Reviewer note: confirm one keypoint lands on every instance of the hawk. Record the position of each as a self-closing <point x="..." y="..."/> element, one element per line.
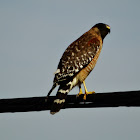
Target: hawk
<point x="76" y="63"/>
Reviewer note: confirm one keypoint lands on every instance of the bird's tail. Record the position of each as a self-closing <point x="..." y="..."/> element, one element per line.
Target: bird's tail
<point x="60" y="98"/>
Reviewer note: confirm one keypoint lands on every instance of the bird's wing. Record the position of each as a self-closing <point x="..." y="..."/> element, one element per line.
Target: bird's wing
<point x="77" y="56"/>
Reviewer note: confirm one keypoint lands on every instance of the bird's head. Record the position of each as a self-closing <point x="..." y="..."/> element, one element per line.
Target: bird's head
<point x="104" y="29"/>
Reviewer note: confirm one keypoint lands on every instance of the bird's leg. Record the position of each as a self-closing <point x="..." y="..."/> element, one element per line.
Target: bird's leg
<point x="80" y="91"/>
<point x="86" y="91"/>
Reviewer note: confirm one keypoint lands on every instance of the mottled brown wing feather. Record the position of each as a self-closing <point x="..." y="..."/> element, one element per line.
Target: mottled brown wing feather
<point x="77" y="56"/>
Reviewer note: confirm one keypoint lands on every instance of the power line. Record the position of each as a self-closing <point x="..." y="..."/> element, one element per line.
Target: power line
<point x="111" y="99"/>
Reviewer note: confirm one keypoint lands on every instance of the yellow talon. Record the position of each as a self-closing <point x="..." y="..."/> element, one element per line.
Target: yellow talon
<point x="80" y="92"/>
<point x="86" y="91"/>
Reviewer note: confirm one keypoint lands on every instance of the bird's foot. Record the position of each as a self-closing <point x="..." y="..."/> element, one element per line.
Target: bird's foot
<point x="80" y="93"/>
<point x="86" y="93"/>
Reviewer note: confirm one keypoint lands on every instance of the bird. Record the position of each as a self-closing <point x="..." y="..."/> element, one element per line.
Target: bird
<point x="76" y="63"/>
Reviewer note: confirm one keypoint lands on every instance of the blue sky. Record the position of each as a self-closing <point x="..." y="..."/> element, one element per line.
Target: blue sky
<point x="33" y="37"/>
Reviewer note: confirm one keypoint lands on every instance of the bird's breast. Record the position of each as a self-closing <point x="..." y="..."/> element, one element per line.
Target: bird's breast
<point x="82" y="75"/>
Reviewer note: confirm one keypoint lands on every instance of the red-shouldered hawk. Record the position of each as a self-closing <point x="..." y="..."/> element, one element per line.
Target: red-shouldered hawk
<point x="77" y="62"/>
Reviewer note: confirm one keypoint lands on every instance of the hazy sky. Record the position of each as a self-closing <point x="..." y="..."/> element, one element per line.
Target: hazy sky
<point x="33" y="37"/>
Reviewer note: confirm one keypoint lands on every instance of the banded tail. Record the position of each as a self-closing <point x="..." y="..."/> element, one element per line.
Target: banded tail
<point x="60" y="97"/>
